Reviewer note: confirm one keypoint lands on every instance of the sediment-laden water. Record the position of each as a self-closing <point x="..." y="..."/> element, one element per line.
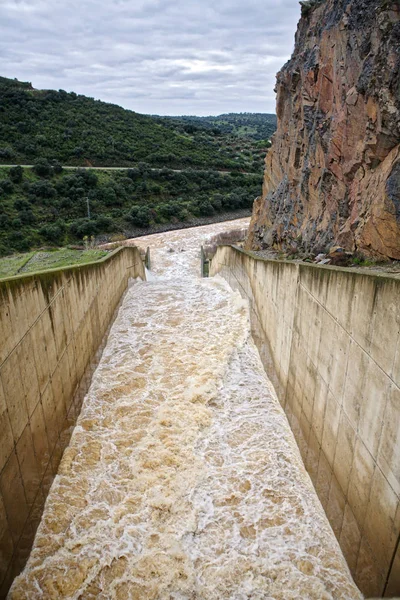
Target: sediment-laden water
<point x="182" y="480"/>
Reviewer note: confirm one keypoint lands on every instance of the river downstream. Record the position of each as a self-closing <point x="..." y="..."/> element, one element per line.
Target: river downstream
<point x="182" y="479"/>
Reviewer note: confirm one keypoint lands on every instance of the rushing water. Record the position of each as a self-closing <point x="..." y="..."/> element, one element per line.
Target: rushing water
<point x="182" y="479"/>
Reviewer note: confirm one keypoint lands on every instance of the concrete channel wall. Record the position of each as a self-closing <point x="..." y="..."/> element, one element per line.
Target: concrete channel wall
<point x="329" y="338"/>
<point x="52" y="325"/>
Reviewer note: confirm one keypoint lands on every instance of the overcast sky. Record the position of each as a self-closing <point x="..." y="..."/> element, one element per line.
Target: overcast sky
<point x="153" y="56"/>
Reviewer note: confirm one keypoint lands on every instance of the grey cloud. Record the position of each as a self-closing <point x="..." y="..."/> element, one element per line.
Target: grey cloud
<point x="154" y="56"/>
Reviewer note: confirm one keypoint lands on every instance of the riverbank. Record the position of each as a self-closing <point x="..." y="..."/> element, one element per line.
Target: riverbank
<point x="196" y="222"/>
<point x="55" y="258"/>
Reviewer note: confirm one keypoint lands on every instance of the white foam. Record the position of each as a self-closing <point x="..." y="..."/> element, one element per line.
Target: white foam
<point x="182" y="479"/>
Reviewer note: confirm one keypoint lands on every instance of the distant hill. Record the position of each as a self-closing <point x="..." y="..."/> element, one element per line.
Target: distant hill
<point x="255" y="126"/>
<point x="78" y="130"/>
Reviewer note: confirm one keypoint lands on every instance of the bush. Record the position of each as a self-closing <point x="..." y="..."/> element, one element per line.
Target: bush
<point x="57" y="167"/>
<point x="42" y="189"/>
<point x="6" y="153"/>
<point x="6" y="186"/>
<point x="42" y="167"/>
<point x="216" y="201"/>
<point x="16" y="174"/>
<point x="104" y="224"/>
<point x="54" y="232"/>
<point x="27" y="217"/>
<point x="140" y="216"/>
<point x="206" y="208"/>
<point x="20" y="243"/>
<point x="109" y="196"/>
<point x="4" y="220"/>
<point x="194" y="208"/>
<point x="170" y="209"/>
<point x="21" y="204"/>
<point x="133" y="174"/>
<point x="81" y="227"/>
<point x="89" y="177"/>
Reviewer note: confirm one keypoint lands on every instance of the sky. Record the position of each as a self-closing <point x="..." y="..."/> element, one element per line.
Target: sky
<point x="170" y="57"/>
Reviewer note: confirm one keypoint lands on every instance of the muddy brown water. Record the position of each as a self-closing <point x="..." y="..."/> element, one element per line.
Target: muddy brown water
<point x="182" y="479"/>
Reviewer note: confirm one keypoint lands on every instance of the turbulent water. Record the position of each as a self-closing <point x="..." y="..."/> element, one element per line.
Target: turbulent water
<point x="182" y="480"/>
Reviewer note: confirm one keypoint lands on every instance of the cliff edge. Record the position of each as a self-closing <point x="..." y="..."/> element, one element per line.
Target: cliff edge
<point x="333" y="173"/>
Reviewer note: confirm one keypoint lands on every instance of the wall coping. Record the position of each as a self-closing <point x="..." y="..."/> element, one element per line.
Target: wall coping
<point x="23" y="277"/>
<point x="329" y="268"/>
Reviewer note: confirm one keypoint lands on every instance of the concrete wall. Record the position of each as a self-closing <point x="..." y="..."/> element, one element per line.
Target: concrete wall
<point x="329" y="339"/>
<point x="51" y="328"/>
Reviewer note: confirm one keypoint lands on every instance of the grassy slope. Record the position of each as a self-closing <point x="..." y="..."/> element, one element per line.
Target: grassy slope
<point x="31" y="262"/>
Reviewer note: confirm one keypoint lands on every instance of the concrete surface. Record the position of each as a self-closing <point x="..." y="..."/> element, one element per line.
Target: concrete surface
<point x="51" y="328"/>
<point x="329" y="339"/>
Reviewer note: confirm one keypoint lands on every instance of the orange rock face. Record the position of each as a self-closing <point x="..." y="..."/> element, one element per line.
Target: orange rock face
<point x="333" y="173"/>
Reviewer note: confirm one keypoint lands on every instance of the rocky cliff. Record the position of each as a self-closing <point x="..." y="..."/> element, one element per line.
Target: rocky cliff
<point x="333" y="173"/>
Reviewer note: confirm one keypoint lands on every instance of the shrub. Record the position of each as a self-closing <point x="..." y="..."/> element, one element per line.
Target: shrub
<point x="206" y="208"/>
<point x="54" y="232"/>
<point x="140" y="216"/>
<point x="109" y="195"/>
<point x="42" y="167"/>
<point x="170" y="209"/>
<point x="57" y="167"/>
<point x="6" y="186"/>
<point x="133" y="174"/>
<point x="6" y="153"/>
<point x="16" y="174"/>
<point x="82" y="227"/>
<point x="27" y="217"/>
<point x="104" y="224"/>
<point x="42" y="189"/>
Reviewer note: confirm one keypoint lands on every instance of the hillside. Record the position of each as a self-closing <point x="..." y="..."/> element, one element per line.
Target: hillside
<point x="253" y="126"/>
<point x="77" y="130"/>
<point x="49" y="206"/>
<point x="333" y="173"/>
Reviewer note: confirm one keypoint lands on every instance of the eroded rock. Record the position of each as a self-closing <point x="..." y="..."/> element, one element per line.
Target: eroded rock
<point x="333" y="173"/>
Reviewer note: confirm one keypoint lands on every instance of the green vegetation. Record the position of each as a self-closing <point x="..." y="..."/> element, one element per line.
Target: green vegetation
<point x="76" y="130"/>
<point x="244" y="136"/>
<point x="31" y="262"/>
<point x="362" y="261"/>
<point x="13" y="264"/>
<point x="177" y="169"/>
<point x="307" y="6"/>
<point x="46" y="206"/>
<point x="255" y="126"/>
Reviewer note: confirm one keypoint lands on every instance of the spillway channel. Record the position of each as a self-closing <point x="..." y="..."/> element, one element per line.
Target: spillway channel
<point x="182" y="479"/>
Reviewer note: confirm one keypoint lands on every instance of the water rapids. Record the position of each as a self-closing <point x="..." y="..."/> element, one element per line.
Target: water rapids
<point x="182" y="479"/>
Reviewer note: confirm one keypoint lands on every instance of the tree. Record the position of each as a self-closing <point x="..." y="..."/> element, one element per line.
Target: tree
<point x="16" y="174"/>
<point x="42" y="167"/>
<point x="54" y="232"/>
<point x="140" y="216"/>
<point x="6" y="186"/>
<point x="82" y="227"/>
<point x="206" y="208"/>
<point x="170" y="209"/>
<point x="6" y="153"/>
<point x="57" y="167"/>
<point x="104" y="223"/>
